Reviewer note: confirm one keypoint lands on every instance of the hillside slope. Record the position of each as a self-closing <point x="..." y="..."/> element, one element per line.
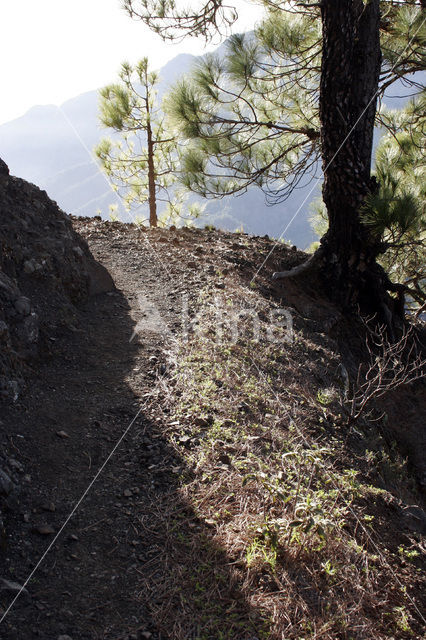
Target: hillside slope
<point x="45" y="269"/>
<point x="231" y="499"/>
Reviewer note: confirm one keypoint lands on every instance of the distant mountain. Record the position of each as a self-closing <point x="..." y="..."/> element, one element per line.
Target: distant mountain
<point x="53" y="147"/>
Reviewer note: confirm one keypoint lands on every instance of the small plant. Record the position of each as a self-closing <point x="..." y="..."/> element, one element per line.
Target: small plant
<point x="113" y="214"/>
<point x="401" y="617"/>
<point x="258" y="553"/>
<point x="324" y="397"/>
<point x="408" y="554"/>
<point x="329" y="569"/>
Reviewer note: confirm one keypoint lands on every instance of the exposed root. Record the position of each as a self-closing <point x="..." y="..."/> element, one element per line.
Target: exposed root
<point x="301" y="269"/>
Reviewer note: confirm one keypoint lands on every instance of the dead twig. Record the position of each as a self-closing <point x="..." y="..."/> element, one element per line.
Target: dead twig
<point x="390" y="365"/>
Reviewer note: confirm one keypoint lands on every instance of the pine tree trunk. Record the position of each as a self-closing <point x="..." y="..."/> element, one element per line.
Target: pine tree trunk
<point x="349" y="82"/>
<point x="151" y="180"/>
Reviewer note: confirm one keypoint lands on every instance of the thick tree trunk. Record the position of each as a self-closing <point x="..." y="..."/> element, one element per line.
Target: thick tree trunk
<point x="151" y="180"/>
<point x="348" y="94"/>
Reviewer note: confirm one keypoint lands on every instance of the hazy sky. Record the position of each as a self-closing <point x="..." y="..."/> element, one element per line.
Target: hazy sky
<point x="52" y="50"/>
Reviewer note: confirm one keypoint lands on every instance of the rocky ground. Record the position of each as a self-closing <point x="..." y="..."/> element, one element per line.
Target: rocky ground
<point x="78" y="403"/>
<point x="45" y="268"/>
<point x="90" y="478"/>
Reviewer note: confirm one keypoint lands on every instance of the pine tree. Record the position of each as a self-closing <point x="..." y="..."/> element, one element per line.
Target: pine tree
<point x="304" y="87"/>
<point x="142" y="161"/>
<point x="396" y="212"/>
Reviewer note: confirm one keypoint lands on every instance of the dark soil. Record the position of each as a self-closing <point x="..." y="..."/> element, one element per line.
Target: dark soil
<point x="92" y="390"/>
<point x="94" y="404"/>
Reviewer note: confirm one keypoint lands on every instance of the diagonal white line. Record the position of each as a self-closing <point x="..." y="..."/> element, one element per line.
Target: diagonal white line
<point x="360" y="523"/>
<point x="334" y="157"/>
<point x="90" y="154"/>
<point x="74" y="509"/>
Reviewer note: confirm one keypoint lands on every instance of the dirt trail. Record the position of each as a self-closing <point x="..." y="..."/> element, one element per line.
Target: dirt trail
<point x="96" y="580"/>
<point x="117" y="569"/>
<point x="90" y="582"/>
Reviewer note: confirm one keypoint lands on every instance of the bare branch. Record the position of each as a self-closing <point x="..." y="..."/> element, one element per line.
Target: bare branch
<point x="390" y="365"/>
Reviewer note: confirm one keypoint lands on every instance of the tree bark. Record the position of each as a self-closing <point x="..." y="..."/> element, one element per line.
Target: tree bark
<point x="151" y="179"/>
<point x="350" y="70"/>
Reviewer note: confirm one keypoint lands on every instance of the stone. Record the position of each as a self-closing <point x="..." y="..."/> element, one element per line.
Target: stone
<point x="43" y="529"/>
<point x="23" y="306"/>
<point x="14" y="464"/>
<point x="28" y="330"/>
<point x="4" y="169"/>
<point x="78" y="251"/>
<point x="31" y="266"/>
<point x="49" y="507"/>
<point x="62" y="434"/>
<point x="100" y="280"/>
<point x="4" y="174"/>
<point x="13" y="389"/>
<point x="4" y="330"/>
<point x="8" y="287"/>
<point x="6" y="484"/>
<point x="13" y="587"/>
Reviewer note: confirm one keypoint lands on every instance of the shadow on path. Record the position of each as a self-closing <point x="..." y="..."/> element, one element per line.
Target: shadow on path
<point x="120" y="569"/>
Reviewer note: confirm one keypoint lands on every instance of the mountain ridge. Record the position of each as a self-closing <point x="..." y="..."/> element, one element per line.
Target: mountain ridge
<point x="52" y="146"/>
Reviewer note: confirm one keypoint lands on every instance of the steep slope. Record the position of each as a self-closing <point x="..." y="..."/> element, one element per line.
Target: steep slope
<point x="200" y="413"/>
<point x="45" y="269"/>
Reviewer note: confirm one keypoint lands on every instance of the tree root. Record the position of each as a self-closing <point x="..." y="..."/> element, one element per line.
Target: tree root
<point x="308" y="265"/>
<point x="365" y="291"/>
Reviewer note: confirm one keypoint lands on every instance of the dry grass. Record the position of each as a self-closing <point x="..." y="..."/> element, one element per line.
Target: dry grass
<point x="293" y="528"/>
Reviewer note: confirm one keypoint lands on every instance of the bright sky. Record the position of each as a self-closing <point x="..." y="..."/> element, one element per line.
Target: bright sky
<point x="53" y="50"/>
